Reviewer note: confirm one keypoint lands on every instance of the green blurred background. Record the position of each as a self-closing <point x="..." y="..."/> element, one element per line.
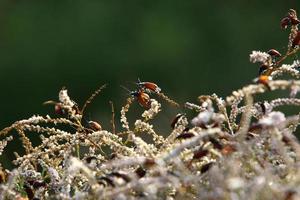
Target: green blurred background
<point x="189" y="48"/>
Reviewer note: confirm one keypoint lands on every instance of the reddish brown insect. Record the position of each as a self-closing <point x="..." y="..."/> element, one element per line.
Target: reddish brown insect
<point x="142" y="98"/>
<point x="290" y="19"/>
<point x="293" y="17"/>
<point x="262" y="69"/>
<point x="95" y="126"/>
<point x="296" y="40"/>
<point x="58" y="107"/>
<point x="263" y="79"/>
<point x="285" y="22"/>
<point x="274" y="53"/>
<point x="228" y="149"/>
<point x="149" y="86"/>
<point x="176" y="119"/>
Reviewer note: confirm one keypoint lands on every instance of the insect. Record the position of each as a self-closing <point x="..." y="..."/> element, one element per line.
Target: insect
<point x="58" y="107"/>
<point x="176" y="119"/>
<point x="290" y="19"/>
<point x="274" y="53"/>
<point x="296" y="40"/>
<point x="149" y="86"/>
<point x="95" y="126"/>
<point x="263" y="69"/>
<point x="263" y="79"/>
<point x="141" y="96"/>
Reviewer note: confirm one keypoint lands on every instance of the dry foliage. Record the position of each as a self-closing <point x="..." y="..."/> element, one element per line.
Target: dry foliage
<point x="235" y="148"/>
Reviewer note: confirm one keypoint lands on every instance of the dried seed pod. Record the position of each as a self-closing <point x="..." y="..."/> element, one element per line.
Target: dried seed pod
<point x="286" y="140"/>
<point x="215" y="143"/>
<point x="122" y="175"/>
<point x="200" y="153"/>
<point x="29" y="191"/>
<point x="255" y="127"/>
<point x="105" y="181"/>
<point x="38" y="184"/>
<point x="185" y="135"/>
<point x="149" y="162"/>
<point x="141" y="172"/>
<point x="113" y="156"/>
<point x="95" y="126"/>
<point x="3" y="176"/>
<point x="250" y="135"/>
<point x="206" y="167"/>
<point x="90" y="158"/>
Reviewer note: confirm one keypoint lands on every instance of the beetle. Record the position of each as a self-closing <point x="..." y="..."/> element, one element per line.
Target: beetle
<point x="149" y="86"/>
<point x="95" y="126"/>
<point x="274" y="53"/>
<point x="142" y="98"/>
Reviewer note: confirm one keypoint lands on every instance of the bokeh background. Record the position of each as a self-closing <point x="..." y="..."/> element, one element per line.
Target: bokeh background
<point x="189" y="48"/>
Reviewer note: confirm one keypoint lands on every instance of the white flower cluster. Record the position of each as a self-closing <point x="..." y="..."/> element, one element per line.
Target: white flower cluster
<point x="152" y="112"/>
<point x="202" y="118"/>
<point x="258" y="56"/>
<point x="32" y="120"/>
<point x="145" y="127"/>
<point x="123" y="117"/>
<point x="142" y="148"/>
<point x="3" y="143"/>
<point x="207" y="118"/>
<point x="273" y="119"/>
<point x="75" y="165"/>
<point x="64" y="98"/>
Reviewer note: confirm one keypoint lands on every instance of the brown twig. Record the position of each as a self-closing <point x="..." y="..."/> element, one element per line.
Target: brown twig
<point x="90" y="99"/>
<point x="112" y="117"/>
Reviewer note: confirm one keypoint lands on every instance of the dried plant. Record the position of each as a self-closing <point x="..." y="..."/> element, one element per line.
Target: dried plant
<point x="229" y="150"/>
